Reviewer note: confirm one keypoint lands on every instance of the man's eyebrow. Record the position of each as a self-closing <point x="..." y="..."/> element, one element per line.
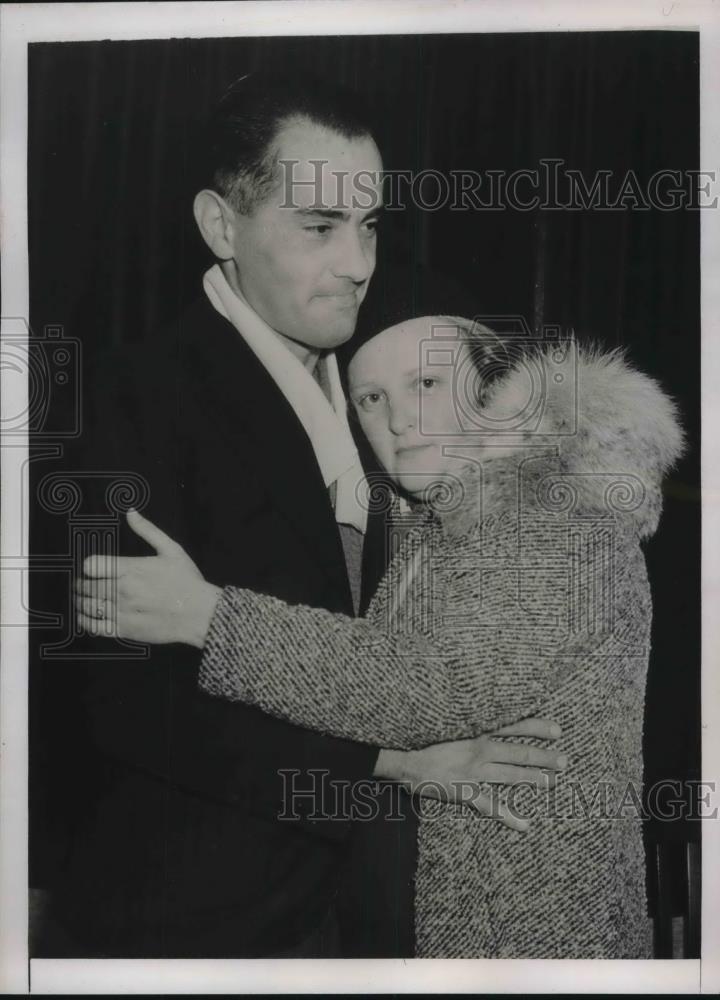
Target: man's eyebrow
<point x="336" y="214"/>
<point x="374" y="213"/>
<point x="323" y="213"/>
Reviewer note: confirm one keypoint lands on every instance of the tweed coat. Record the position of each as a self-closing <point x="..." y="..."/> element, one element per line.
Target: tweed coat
<point x="522" y="592"/>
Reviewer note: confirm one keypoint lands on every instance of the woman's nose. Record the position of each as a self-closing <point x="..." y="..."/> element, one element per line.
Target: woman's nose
<point x="402" y="418"/>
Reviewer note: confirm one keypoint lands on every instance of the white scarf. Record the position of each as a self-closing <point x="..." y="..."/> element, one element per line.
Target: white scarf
<point x="325" y="423"/>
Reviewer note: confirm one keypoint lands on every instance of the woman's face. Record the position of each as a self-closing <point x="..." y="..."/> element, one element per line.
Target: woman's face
<point x="403" y="386"/>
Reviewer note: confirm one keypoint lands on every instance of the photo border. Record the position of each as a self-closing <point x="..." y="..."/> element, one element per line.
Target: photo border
<point x="21" y="24"/>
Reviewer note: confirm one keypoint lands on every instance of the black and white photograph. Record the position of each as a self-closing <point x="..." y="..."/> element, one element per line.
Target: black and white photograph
<point x="356" y="570"/>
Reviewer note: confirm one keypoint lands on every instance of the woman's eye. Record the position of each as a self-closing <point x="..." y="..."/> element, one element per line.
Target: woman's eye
<point x="428" y="382"/>
<point x="369" y="401"/>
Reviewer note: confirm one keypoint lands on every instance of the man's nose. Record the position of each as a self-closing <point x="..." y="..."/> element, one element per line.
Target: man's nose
<point x="355" y="257"/>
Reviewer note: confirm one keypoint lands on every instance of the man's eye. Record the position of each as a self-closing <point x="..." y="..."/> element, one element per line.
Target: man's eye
<point x="371" y="226"/>
<point x="320" y="230"/>
<point x="428" y="382"/>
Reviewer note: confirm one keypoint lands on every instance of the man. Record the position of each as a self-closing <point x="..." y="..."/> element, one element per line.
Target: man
<point x="235" y="419"/>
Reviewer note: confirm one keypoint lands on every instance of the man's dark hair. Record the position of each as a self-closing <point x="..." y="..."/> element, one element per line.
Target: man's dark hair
<point x="240" y="154"/>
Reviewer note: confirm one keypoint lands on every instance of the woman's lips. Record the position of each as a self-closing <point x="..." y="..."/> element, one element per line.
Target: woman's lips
<point x="411" y="449"/>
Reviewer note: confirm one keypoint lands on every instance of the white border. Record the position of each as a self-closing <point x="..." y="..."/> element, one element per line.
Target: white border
<point x="23" y="23"/>
<point x="13" y="535"/>
<point x="710" y="416"/>
<point x="86" y="21"/>
<point x="350" y="976"/>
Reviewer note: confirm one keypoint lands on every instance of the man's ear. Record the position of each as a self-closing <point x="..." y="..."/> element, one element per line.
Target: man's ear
<point x="216" y="221"/>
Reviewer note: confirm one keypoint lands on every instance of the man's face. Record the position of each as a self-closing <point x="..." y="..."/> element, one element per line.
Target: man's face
<point x="304" y="256"/>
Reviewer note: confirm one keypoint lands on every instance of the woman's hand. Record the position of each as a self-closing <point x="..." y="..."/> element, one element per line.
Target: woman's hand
<point x="156" y="599"/>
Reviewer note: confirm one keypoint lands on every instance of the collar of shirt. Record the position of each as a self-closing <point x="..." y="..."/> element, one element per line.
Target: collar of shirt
<point x="325" y="422"/>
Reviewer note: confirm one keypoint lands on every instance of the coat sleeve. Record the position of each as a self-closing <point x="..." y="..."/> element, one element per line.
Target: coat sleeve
<point x="489" y="661"/>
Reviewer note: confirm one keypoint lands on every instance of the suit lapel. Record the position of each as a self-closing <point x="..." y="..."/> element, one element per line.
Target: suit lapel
<point x="238" y="392"/>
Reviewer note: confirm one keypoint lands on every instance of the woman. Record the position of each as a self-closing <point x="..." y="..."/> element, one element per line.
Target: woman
<point x="520" y="590"/>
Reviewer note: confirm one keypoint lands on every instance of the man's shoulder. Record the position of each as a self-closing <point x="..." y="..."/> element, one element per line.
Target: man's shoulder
<point x="193" y="345"/>
<point x="195" y="331"/>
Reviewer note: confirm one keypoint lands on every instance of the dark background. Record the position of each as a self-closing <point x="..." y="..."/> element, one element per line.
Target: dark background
<point x="114" y="253"/>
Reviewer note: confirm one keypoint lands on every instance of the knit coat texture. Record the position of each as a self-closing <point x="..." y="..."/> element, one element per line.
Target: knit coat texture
<point x="520" y="591"/>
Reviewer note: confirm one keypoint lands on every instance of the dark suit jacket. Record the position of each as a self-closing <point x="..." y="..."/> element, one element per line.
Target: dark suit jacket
<point x="183" y="854"/>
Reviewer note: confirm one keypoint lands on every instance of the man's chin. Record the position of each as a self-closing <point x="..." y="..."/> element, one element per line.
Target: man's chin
<point x="323" y="336"/>
<point x="340" y="332"/>
<point x="339" y="320"/>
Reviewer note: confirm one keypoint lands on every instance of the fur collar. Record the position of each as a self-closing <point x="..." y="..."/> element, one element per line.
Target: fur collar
<point x="587" y="434"/>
